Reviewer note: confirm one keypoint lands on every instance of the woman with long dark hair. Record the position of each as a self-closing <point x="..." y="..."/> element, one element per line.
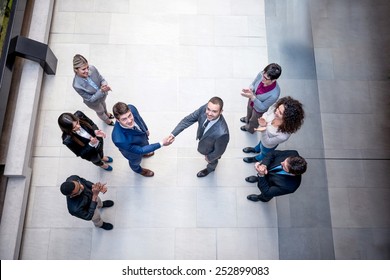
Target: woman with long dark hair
<point x="82" y="136"/>
<point x="281" y="120"/>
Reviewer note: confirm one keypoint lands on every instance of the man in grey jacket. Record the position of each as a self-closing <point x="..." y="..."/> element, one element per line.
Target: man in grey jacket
<point x="213" y="132"/>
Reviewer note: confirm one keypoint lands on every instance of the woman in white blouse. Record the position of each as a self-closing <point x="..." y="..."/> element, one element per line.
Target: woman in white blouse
<point x="276" y="126"/>
<point x="82" y="136"/>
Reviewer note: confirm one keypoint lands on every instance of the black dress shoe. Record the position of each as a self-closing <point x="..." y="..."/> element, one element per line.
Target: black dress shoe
<point x="253" y="197"/>
<point x="203" y="173"/>
<point x="107" y="203"/>
<point x="107" y="226"/>
<point x="249" y="150"/>
<point x="249" y="159"/>
<point x="251" y="179"/>
<point x="243" y="119"/>
<point x="243" y="128"/>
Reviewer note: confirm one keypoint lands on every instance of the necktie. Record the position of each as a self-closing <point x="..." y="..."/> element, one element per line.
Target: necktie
<point x="203" y="128"/>
<point x="279" y="170"/>
<point x="276" y="168"/>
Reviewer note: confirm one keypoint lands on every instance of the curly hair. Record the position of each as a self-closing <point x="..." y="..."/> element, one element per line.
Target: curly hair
<point x="293" y="114"/>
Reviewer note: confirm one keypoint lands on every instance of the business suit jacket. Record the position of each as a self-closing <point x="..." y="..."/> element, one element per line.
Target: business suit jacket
<point x="274" y="184"/>
<point x="214" y="141"/>
<point x="86" y="91"/>
<point x="133" y="143"/>
<point x="84" y="151"/>
<point x="81" y="206"/>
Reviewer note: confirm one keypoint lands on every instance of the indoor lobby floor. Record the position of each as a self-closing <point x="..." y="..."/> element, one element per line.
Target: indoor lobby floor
<point x="168" y="58"/>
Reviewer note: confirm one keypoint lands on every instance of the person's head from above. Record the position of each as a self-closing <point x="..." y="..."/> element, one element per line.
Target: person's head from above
<point x="214" y="108"/>
<point x="271" y="73"/>
<point x="69" y="123"/>
<point x="123" y="114"/>
<point x="72" y="189"/>
<point x="294" y="165"/>
<point x="291" y="114"/>
<point x="80" y="66"/>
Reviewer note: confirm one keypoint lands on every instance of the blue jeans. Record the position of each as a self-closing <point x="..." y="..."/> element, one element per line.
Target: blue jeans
<point x="263" y="151"/>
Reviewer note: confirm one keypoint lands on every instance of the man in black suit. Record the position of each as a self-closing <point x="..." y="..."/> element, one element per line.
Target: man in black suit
<point x="279" y="173"/>
<point x="213" y="132"/>
<point x="82" y="198"/>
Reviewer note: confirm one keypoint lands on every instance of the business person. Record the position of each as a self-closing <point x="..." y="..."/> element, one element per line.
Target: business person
<point x="212" y="133"/>
<point x="131" y="136"/>
<point x="83" y="137"/>
<point x="83" y="201"/>
<point x="261" y="94"/>
<point x="278" y="174"/>
<point x="276" y="126"/>
<point x="92" y="87"/>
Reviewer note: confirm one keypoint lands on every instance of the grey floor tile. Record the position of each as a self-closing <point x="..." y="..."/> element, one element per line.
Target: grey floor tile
<point x="216" y="207"/>
<point x="156" y="207"/>
<point x="268" y="243"/>
<point x="299" y="244"/>
<point x="254" y="214"/>
<point x="237" y="244"/>
<point x="345" y="173"/>
<point x="133" y="244"/>
<point x="195" y="244"/>
<point x="35" y="244"/>
<point x="351" y="244"/>
<point x="70" y="244"/>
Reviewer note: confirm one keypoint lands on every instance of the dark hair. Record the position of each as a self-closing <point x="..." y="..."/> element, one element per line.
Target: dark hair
<point x="119" y="109"/>
<point x="218" y="101"/>
<point x="293" y="114"/>
<point x="273" y="70"/>
<point x="65" y="121"/>
<point x="297" y="165"/>
<point x="67" y="188"/>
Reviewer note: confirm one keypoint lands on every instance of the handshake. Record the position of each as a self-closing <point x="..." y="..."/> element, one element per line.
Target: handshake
<point x="168" y="140"/>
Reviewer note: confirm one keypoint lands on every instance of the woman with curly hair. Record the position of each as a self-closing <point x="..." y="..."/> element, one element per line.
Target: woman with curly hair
<point x="281" y="120"/>
<point x="82" y="136"/>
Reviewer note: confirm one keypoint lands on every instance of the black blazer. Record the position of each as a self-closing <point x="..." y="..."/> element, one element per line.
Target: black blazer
<point x="81" y="206"/>
<point x="84" y="151"/>
<point x="274" y="184"/>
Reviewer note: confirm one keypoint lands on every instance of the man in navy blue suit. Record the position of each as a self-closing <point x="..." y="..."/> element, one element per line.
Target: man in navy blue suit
<point x="279" y="173"/>
<point x="131" y="136"/>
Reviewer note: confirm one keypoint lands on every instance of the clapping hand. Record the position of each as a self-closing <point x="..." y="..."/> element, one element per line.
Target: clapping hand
<point x="246" y="92"/>
<point x="262" y="124"/>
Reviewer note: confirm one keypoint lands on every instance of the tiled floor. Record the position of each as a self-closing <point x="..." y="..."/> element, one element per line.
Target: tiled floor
<point x="170" y="59"/>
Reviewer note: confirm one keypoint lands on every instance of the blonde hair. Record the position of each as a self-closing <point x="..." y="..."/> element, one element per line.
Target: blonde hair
<point x="79" y="61"/>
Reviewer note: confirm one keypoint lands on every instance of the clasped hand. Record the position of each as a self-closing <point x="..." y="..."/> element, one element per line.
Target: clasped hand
<point x="261" y="168"/>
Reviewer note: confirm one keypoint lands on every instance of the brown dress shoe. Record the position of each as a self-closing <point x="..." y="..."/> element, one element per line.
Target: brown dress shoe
<point x="148" y="155"/>
<point x="147" y="172"/>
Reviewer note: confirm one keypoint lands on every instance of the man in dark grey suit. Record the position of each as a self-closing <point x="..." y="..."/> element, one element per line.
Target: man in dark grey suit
<point x="213" y="132"/>
<point x="279" y="173"/>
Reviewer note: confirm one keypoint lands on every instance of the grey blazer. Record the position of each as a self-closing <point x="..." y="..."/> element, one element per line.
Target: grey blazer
<point x="88" y="92"/>
<point x="265" y="100"/>
<point x="214" y="141"/>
